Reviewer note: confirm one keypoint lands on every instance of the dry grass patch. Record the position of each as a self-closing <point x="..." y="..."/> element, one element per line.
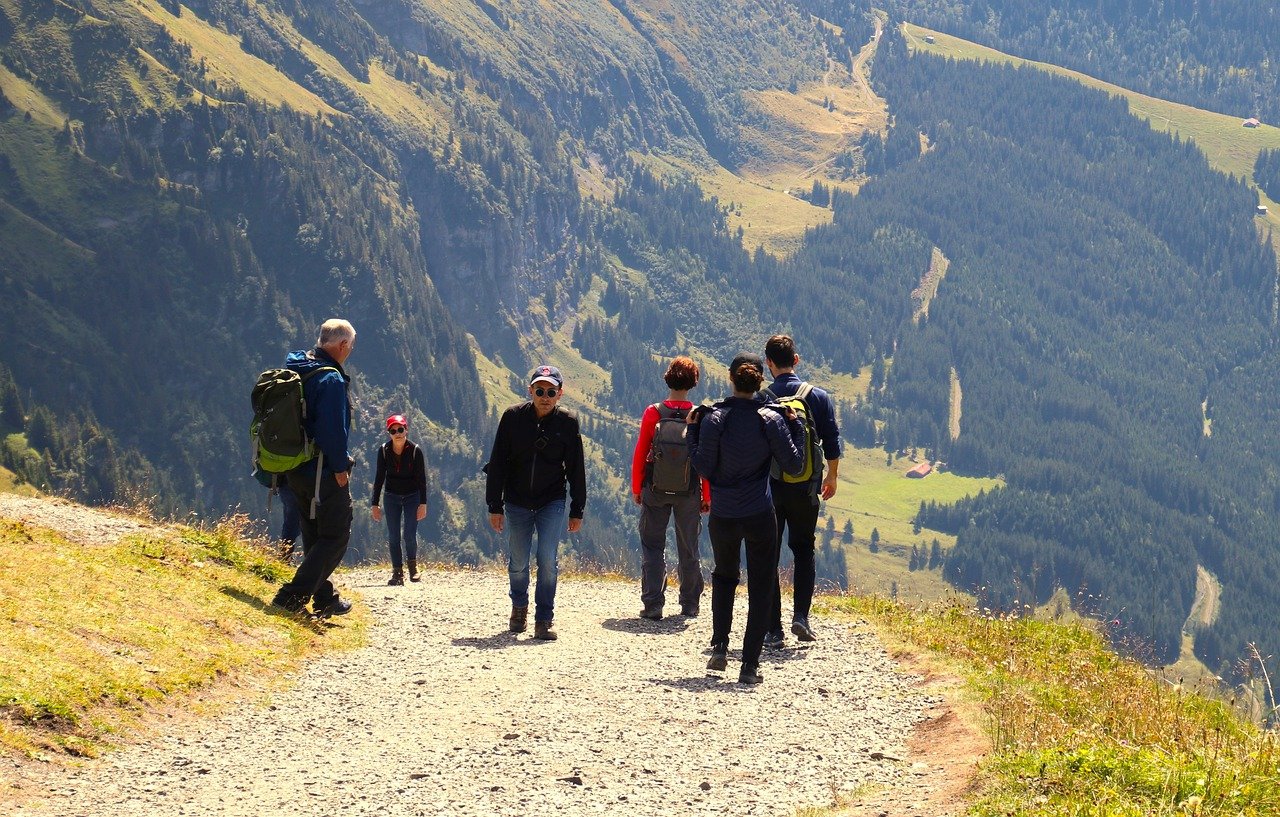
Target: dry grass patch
<point x="1078" y="730"/>
<point x="90" y="636"/>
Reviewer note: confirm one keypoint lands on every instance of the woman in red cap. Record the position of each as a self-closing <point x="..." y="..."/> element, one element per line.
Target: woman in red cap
<point x="403" y="469"/>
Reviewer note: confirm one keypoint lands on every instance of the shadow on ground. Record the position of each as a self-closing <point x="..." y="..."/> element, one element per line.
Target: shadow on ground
<point x="644" y="626"/>
<point x="498" y="641"/>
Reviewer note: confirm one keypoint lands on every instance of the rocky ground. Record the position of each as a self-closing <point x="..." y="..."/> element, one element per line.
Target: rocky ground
<point x="446" y="713"/>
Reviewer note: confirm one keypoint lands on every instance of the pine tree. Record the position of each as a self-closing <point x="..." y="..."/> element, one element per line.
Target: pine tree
<point x="875" y="540"/>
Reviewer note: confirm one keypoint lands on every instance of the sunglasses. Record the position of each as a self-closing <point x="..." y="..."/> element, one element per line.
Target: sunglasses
<point x="546" y="392"/>
<point x="396" y="430"/>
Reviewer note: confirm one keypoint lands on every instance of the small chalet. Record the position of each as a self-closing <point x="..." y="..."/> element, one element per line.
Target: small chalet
<point x="921" y="471"/>
<point x="1251" y="122"/>
<point x="1261" y="209"/>
<point x="929" y="38"/>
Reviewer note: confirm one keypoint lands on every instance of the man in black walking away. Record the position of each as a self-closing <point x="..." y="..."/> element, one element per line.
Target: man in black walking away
<point x="795" y="504"/>
<point x="322" y="485"/>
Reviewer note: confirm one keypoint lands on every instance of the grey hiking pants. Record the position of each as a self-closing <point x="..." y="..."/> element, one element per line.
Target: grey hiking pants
<point x="655" y="512"/>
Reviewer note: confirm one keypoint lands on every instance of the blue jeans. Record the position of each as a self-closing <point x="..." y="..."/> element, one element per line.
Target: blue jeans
<point x="549" y="520"/>
<point x="401" y="512"/>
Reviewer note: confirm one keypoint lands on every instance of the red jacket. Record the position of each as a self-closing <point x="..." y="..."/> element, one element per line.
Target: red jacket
<point x="644" y="446"/>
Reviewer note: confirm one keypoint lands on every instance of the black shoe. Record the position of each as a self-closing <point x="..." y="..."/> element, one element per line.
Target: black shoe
<point x="719" y="658"/>
<point x="800" y="629"/>
<point x="288" y="604"/>
<point x="337" y="607"/>
<point x="774" y="640"/>
<point x="750" y="675"/>
<point x="652" y="613"/>
<point x="689" y="611"/>
<point x="396" y="580"/>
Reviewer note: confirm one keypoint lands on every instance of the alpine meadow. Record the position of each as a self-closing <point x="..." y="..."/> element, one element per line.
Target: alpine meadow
<point x="992" y="266"/>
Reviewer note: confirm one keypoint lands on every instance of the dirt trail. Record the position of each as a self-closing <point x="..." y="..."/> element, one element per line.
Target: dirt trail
<point x="445" y="713"/>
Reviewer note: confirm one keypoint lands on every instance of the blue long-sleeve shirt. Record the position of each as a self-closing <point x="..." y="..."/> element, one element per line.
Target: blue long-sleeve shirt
<point x="328" y="420"/>
<point x="732" y="447"/>
<point x="822" y="407"/>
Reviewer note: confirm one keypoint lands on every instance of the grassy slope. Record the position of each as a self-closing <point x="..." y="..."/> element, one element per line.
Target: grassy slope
<point x="126" y="624"/>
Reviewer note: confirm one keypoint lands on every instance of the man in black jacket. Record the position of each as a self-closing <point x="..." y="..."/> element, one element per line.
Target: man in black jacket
<point x="537" y="450"/>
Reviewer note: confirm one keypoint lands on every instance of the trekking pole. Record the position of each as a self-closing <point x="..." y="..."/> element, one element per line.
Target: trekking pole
<point x="315" y="498"/>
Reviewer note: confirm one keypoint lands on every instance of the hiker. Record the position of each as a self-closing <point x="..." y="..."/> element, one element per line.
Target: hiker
<point x="403" y="468"/>
<point x="291" y="522"/>
<point x="796" y="498"/>
<point x="732" y="447"/>
<point x="322" y="484"/>
<point x="664" y="485"/>
<point x="536" y="451"/>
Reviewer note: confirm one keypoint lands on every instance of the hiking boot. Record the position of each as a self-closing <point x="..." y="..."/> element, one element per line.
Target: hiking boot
<point x="519" y="615"/>
<point x="289" y="604"/>
<point x="800" y="629"/>
<point x="396" y="580"/>
<point x="750" y="675"/>
<point x="651" y="612"/>
<point x="413" y="571"/>
<point x="774" y="640"/>
<point x="543" y="632"/>
<point x="719" y="657"/>
<point x="337" y="607"/>
<point x="689" y="611"/>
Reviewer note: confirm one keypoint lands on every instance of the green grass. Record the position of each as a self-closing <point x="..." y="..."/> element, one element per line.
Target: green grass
<point x="1078" y="730"/>
<point x="91" y="635"/>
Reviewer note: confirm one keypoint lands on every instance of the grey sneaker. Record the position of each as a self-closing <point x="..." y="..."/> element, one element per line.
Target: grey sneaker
<point x="719" y="658"/>
<point x="774" y="640"/>
<point x="800" y="629"/>
<point x="519" y="617"/>
<point x="337" y="607"/>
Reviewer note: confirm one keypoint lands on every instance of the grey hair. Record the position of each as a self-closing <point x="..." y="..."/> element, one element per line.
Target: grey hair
<point x="335" y="331"/>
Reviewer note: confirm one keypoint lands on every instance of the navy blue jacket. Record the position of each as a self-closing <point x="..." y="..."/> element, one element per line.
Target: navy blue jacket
<point x="820" y="405"/>
<point x="328" y="409"/>
<point x="732" y="448"/>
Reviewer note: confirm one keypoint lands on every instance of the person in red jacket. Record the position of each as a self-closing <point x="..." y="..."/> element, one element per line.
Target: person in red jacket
<point x="676" y="491"/>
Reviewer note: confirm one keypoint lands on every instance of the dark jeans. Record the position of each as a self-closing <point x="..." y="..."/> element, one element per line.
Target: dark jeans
<point x="655" y="512"/>
<point x="324" y="541"/>
<point x="401" y="514"/>
<point x="799" y="512"/>
<point x="759" y="534"/>
<point x="291" y="524"/>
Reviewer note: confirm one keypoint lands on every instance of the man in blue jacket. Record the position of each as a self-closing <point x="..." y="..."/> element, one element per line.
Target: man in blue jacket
<point x="322" y="485"/>
<point x="796" y="504"/>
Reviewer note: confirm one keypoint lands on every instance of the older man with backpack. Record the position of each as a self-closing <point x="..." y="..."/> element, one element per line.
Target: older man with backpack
<point x="796" y="496"/>
<point x="663" y="484"/>
<point x="321" y="481"/>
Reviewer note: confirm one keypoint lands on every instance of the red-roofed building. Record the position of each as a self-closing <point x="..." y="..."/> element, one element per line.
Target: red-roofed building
<point x="921" y="471"/>
<point x="1252" y="122"/>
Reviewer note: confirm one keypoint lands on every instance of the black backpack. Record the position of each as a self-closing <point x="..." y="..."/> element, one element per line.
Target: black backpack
<point x="672" y="474"/>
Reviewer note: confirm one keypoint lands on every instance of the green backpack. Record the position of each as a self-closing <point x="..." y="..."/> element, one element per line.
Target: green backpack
<point x="811" y="471"/>
<point x="279" y="430"/>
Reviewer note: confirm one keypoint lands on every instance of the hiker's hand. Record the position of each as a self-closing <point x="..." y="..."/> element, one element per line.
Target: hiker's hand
<point x="637" y="498"/>
<point x="789" y="413"/>
<point x="575" y="525"/>
<point x="342" y="478"/>
<point x="422" y="511"/>
<point x="828" y="486"/>
<point x="377" y="513"/>
<point x="495" y="521"/>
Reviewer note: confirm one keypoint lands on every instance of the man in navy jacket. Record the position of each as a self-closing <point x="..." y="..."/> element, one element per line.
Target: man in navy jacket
<point x="323" y="485"/>
<point x="796" y="504"/>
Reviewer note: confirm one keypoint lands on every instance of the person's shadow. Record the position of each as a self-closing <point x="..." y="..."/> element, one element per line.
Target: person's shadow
<point x="310" y="622"/>
<point x="498" y="641"/>
<point x="672" y="625"/>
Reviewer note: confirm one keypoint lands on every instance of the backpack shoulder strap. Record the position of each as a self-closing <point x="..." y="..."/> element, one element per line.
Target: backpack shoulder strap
<point x="769" y="396"/>
<point x="804" y="391"/>
<point x="317" y="371"/>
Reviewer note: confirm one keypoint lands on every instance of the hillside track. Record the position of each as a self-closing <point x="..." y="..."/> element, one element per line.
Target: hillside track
<point x="446" y="713"/>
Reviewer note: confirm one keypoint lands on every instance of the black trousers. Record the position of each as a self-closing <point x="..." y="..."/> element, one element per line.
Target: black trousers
<point x="797" y="512"/>
<point x="728" y="536"/>
<point x="324" y="540"/>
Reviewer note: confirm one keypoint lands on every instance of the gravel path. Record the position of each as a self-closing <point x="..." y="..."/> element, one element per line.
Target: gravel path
<point x="446" y="713"/>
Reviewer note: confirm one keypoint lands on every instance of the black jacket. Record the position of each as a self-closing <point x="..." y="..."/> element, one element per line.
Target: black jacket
<point x="532" y="460"/>
<point x="405" y="474"/>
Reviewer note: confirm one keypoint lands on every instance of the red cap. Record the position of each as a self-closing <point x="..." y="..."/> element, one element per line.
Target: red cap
<point x="397" y="420"/>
